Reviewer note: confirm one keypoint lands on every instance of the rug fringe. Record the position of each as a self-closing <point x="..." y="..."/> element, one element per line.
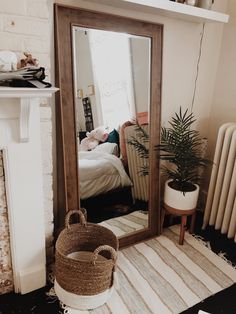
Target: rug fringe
<point x="223" y="256"/>
<point x="52" y="297"/>
<point x="50" y="274"/>
<point x="202" y="241"/>
<point x="208" y="245"/>
<point x="64" y="308"/>
<point x="51" y="293"/>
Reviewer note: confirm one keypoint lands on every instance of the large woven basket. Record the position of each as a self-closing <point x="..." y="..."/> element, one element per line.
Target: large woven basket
<point x="92" y="274"/>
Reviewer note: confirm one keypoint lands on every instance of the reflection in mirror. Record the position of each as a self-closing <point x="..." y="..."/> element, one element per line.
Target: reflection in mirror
<point x="112" y="84"/>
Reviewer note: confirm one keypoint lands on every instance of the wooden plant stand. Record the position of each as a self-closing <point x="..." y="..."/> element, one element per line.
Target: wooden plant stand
<point x="183" y="214"/>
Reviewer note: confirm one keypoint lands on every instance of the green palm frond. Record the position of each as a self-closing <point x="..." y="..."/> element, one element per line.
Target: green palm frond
<point x="141" y="133"/>
<point x="180" y="148"/>
<point x="140" y="145"/>
<point x="141" y="149"/>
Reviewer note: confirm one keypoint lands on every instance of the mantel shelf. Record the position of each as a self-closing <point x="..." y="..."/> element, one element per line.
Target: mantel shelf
<point x="169" y="9"/>
<point x="28" y="97"/>
<point x="18" y="92"/>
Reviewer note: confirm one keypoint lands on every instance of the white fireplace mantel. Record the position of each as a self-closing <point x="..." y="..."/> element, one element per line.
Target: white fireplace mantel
<point x="27" y="97"/>
<point x="20" y="140"/>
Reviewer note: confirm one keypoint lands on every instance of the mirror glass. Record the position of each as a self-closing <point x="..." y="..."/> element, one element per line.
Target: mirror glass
<point x="112" y="94"/>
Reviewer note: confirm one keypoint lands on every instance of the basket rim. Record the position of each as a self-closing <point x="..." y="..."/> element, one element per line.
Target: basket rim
<point x="77" y="260"/>
<point x="74" y="228"/>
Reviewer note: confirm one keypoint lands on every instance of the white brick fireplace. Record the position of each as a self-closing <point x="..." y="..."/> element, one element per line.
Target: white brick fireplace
<point x="20" y="142"/>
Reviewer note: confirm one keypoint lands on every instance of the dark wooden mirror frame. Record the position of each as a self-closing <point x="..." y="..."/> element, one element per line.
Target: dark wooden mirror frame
<point x="67" y="164"/>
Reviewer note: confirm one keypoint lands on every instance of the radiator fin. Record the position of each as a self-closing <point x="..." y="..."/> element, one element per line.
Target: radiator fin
<point x="220" y="208"/>
<point x="135" y="163"/>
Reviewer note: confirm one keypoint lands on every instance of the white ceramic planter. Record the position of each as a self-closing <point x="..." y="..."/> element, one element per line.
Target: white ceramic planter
<point x="178" y="200"/>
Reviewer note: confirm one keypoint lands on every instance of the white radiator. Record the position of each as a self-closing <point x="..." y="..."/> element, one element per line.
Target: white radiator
<point x="220" y="208"/>
<point x="135" y="163"/>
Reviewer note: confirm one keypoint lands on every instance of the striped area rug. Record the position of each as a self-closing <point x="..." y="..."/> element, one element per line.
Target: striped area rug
<point x="160" y="276"/>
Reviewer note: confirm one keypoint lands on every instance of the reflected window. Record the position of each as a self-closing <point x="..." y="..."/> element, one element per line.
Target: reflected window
<point x="117" y="66"/>
<point x="112" y="70"/>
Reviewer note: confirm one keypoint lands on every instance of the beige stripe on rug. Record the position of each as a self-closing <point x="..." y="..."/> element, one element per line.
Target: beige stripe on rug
<point x="159" y="276"/>
<point x="122" y="225"/>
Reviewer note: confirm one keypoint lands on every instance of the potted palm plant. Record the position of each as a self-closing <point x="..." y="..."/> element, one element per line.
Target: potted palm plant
<point x="180" y="149"/>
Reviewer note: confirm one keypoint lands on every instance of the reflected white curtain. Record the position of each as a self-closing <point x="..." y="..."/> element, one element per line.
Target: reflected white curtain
<point x="113" y="77"/>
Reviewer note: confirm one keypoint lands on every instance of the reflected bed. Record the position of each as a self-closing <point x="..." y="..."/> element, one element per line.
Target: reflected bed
<point x="100" y="172"/>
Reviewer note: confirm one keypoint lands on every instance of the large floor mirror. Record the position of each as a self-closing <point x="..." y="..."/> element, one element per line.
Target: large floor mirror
<point x="108" y="69"/>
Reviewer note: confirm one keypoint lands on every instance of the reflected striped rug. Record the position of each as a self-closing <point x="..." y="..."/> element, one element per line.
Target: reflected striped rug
<point x="160" y="276"/>
<point x="122" y="225"/>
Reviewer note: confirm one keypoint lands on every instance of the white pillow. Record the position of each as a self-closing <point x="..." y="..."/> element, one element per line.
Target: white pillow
<point x="110" y="148"/>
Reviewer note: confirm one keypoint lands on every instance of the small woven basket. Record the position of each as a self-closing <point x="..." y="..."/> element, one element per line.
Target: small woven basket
<point x="86" y="256"/>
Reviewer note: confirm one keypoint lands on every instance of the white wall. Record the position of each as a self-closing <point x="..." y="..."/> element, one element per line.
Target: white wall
<point x="26" y="25"/>
<point x="224" y="97"/>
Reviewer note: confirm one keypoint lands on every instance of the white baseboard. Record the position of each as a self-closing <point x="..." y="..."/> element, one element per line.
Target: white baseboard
<point x="32" y="279"/>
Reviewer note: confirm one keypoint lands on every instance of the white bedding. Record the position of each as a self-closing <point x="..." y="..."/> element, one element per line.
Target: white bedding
<point x="100" y="172"/>
<point x="110" y="148"/>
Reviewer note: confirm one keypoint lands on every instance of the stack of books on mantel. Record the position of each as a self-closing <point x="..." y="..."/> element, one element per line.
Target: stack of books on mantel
<point x="25" y="77"/>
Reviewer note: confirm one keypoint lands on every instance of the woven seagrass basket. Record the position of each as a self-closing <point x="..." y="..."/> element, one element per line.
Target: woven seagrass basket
<point x="85" y="261"/>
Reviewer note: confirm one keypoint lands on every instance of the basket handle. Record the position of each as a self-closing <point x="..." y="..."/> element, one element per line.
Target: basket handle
<point x="82" y="219"/>
<point x="105" y="248"/>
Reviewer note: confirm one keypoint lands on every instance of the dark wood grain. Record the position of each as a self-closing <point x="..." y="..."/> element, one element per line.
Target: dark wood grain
<point x="183" y="213"/>
<point x="67" y="165"/>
